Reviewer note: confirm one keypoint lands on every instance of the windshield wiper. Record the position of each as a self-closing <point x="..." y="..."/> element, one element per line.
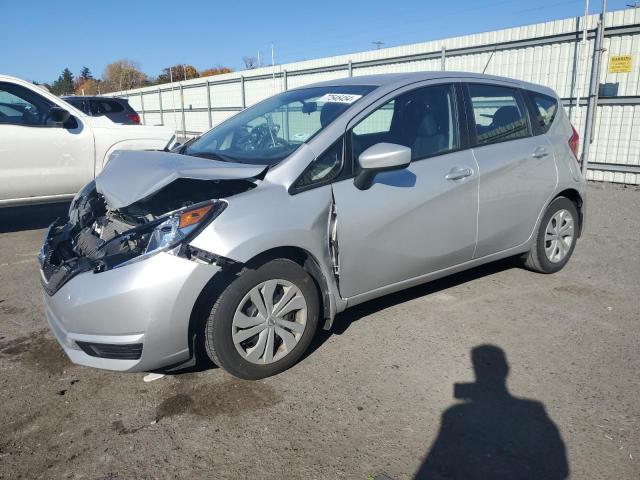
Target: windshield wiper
<point x="212" y="156"/>
<point x="182" y="148"/>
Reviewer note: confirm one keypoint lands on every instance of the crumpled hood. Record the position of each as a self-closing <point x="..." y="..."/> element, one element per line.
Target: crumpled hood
<point x="130" y="176"/>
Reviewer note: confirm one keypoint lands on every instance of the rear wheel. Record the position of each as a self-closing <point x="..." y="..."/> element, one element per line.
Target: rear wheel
<point x="555" y="238"/>
<point x="263" y="321"/>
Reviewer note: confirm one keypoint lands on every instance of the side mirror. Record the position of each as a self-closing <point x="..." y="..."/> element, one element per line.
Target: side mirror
<point x="381" y="157"/>
<point x="59" y="115"/>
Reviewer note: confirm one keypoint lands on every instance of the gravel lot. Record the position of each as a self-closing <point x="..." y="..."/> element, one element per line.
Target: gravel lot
<point x="370" y="397"/>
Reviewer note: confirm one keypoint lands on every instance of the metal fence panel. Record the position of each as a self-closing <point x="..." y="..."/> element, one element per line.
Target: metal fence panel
<point x="195" y="97"/>
<point x="153" y="118"/>
<point x="296" y="81"/>
<point x="226" y="94"/>
<point x="257" y="90"/>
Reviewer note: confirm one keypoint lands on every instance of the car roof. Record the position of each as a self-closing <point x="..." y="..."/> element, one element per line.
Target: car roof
<point x="42" y="90"/>
<point x="92" y="97"/>
<point x="400" y="79"/>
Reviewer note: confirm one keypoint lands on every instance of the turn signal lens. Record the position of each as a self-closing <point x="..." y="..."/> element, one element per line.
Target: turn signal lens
<point x="191" y="217"/>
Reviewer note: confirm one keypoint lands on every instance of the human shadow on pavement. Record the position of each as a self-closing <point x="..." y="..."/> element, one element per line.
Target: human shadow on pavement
<point x="492" y="434"/>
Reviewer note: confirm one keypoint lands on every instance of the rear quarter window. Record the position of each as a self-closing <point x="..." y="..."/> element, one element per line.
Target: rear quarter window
<point x="102" y="107"/>
<point x="544" y="110"/>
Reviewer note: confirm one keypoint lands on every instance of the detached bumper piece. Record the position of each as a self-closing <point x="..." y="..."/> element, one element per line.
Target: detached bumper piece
<point x="112" y="351"/>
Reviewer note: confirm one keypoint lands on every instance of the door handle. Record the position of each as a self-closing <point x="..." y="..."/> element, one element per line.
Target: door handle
<point x="458" y="173"/>
<point x="540" y="152"/>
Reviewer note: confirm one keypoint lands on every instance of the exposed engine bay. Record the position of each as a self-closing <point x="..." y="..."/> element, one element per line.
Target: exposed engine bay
<point x="97" y="237"/>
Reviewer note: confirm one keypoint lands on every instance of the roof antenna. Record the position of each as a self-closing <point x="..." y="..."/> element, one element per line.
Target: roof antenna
<point x="490" y="57"/>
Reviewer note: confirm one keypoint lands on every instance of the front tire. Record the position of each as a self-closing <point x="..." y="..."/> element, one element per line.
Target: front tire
<point x="263" y="321"/>
<point x="555" y="238"/>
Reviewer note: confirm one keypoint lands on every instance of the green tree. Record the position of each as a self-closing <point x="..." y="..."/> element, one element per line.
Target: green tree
<point x="64" y="84"/>
<point x="85" y="84"/>
<point x="85" y="73"/>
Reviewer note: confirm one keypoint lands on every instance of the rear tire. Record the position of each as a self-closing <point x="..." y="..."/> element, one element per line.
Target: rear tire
<point x="555" y="238"/>
<point x="263" y="321"/>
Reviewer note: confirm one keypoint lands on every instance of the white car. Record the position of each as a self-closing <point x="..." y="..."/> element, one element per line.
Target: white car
<point x="50" y="149"/>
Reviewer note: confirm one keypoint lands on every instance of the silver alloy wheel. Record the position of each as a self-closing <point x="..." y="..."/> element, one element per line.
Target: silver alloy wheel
<point x="269" y="321"/>
<point x="558" y="236"/>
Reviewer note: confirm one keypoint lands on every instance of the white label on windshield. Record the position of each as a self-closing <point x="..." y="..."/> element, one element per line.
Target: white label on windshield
<point x="338" y="98"/>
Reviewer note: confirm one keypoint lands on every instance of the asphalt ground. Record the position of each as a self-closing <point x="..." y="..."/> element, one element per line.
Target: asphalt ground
<point x="390" y="392"/>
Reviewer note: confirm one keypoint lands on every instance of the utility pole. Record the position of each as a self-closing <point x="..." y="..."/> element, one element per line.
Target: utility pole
<point x="593" y="89"/>
<point x="273" y="67"/>
<point x="378" y="44"/>
<point x="259" y="64"/>
<point x="583" y="57"/>
<point x="173" y="99"/>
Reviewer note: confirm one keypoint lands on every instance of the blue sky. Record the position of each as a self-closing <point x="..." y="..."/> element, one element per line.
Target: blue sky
<point x="40" y="38"/>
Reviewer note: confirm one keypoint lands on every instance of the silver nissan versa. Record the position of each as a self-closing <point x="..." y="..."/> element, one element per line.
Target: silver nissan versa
<point x="239" y="244"/>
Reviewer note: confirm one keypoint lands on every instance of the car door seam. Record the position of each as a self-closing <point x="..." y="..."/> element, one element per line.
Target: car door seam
<point x="475" y="246"/>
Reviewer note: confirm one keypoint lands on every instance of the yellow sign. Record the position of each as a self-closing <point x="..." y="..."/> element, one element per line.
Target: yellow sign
<point x="620" y="64"/>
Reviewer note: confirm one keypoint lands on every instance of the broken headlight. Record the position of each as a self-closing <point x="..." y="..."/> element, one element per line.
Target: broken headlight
<point x="178" y="226"/>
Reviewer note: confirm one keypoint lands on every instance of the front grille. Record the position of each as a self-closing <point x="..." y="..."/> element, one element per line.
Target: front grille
<point x="45" y="263"/>
<point x="58" y="262"/>
<point x="56" y="276"/>
<point x="132" y="351"/>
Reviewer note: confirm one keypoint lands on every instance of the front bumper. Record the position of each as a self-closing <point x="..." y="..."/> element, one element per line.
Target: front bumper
<point x="147" y="302"/>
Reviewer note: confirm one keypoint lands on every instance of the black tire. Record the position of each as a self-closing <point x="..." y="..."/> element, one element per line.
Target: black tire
<point x="537" y="260"/>
<point x="218" y="329"/>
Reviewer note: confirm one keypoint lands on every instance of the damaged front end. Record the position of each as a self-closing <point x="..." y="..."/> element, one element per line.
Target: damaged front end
<point x="97" y="237"/>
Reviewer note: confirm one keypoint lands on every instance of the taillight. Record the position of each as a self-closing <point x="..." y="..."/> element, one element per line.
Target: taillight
<point x="135" y="118"/>
<point x="574" y="141"/>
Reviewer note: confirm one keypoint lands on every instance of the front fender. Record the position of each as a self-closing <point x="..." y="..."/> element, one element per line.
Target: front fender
<point x="267" y="218"/>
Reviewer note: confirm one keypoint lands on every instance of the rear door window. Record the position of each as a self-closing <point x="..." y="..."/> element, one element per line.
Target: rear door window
<point x="499" y="113"/>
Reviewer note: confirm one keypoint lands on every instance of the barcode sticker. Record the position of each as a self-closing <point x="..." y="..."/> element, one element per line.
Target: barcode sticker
<point x="338" y="98"/>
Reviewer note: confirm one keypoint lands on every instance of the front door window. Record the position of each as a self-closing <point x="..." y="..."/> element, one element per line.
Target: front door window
<point x="20" y="106"/>
<point x="423" y="120"/>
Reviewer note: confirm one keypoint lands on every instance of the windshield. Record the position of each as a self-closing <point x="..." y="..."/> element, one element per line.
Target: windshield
<point x="273" y="129"/>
